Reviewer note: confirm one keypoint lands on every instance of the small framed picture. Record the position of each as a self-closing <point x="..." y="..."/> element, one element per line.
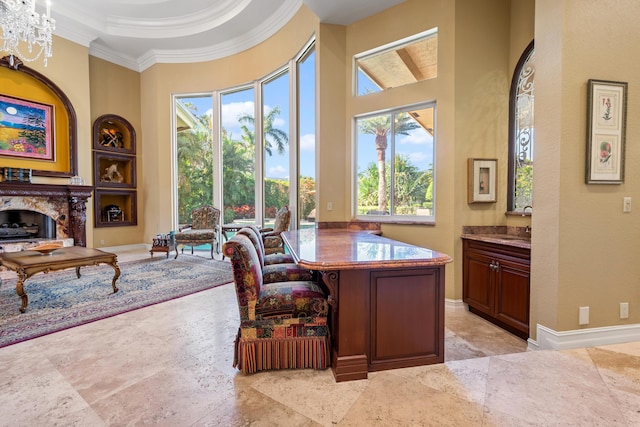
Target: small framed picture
<point x="606" y="121"/>
<point x="482" y="180"/>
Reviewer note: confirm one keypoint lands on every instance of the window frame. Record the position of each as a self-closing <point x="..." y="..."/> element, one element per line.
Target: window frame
<point x="515" y="80"/>
<point x="392" y="218"/>
<point x="257" y="85"/>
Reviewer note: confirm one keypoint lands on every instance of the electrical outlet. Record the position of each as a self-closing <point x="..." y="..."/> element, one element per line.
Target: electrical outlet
<point x="624" y="310"/>
<point x="102" y="242"/>
<point x="583" y="317"/>
<point x="626" y="204"/>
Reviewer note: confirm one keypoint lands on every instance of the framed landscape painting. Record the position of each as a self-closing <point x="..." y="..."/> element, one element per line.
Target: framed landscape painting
<point x="26" y="129"/>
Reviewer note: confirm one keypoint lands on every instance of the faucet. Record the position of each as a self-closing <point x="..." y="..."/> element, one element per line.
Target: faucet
<point x="528" y="227"/>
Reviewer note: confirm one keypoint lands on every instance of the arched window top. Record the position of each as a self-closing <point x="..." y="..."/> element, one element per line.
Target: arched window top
<point x="521" y="133"/>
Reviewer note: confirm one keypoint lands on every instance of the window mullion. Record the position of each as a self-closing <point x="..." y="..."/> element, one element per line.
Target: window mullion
<point x="259" y="154"/>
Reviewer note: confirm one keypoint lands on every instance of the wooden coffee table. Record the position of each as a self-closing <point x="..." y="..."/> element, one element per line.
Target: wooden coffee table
<point x="27" y="263"/>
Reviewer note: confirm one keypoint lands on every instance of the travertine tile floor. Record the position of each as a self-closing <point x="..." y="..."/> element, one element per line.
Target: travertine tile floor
<point x="170" y="364"/>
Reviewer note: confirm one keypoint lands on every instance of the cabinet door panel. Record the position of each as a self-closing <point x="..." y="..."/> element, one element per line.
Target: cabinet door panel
<point x="512" y="296"/>
<point x="478" y="289"/>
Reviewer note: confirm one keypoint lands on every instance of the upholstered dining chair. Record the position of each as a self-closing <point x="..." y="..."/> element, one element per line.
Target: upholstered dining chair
<point x="283" y="325"/>
<point x="204" y="229"/>
<point x="255" y="235"/>
<point x="271" y="236"/>
<point x="277" y="271"/>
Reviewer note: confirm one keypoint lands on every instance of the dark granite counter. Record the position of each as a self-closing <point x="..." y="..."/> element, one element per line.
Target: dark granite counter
<point x="504" y="235"/>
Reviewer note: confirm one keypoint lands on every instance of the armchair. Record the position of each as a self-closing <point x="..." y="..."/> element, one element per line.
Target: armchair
<point x="204" y="229"/>
<point x="283" y="325"/>
<point x="271" y="236"/>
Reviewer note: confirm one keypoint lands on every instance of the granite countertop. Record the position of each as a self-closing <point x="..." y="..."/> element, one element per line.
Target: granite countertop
<point x="341" y="249"/>
<point x="503" y="235"/>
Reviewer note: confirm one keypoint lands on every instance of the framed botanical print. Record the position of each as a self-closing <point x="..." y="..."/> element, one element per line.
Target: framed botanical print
<point x="606" y="128"/>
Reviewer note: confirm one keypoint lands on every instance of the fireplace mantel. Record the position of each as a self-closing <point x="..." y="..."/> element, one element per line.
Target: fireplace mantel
<point x="75" y="195"/>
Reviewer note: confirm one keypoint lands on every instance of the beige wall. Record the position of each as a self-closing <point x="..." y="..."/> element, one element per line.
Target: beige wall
<point x="116" y="90"/>
<point x="584" y="247"/>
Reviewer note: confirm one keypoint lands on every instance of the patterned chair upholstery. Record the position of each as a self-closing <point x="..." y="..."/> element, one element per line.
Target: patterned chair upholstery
<point x="204" y="229"/>
<point x="271" y="236"/>
<point x="253" y="232"/>
<point x="276" y="272"/>
<point x="283" y="325"/>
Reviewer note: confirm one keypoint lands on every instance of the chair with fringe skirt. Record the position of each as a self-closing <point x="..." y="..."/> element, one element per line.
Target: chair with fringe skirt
<point x="283" y="325"/>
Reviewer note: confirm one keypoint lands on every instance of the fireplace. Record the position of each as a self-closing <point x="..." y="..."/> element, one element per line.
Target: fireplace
<point x="17" y="225"/>
<point x="58" y="212"/>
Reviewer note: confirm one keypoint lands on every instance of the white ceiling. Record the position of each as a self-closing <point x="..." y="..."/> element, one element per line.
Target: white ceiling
<point x="139" y="33"/>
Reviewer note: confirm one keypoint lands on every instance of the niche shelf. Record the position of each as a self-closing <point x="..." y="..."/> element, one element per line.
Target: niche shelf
<point x="114" y="172"/>
<point x="116" y="208"/>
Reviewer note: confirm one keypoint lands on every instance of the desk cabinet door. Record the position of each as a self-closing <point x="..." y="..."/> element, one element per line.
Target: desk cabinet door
<point x="407" y="318"/>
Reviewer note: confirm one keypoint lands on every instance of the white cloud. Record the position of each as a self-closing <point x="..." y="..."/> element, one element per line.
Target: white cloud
<point x="278" y="172"/>
<point x="231" y="112"/>
<point x="308" y="142"/>
<point x="416" y="137"/>
<point x="418" y="158"/>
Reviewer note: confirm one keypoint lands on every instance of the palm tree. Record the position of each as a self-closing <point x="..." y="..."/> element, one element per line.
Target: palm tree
<point x="272" y="136"/>
<point x="195" y="172"/>
<point x="380" y="126"/>
<point x="238" y="171"/>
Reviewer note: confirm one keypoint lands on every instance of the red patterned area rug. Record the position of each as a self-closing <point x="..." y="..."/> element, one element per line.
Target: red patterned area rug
<point x="59" y="300"/>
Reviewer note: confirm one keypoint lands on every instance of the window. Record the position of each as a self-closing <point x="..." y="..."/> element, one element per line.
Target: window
<point x="256" y="153"/>
<point x="521" y="133"/>
<point x="406" y="61"/>
<point x="194" y="154"/>
<point x="307" y="138"/>
<point x="237" y="123"/>
<point x="394" y="163"/>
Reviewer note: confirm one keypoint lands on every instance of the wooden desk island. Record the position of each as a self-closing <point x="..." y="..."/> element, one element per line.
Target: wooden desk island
<point x="387" y="298"/>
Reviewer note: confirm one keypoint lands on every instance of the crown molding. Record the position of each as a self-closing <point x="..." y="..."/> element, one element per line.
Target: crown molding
<point x="186" y="25"/>
<point x="221" y="50"/>
<point x="117" y="58"/>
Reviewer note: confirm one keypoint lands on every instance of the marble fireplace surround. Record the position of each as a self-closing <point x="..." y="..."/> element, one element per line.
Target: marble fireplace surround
<point x="66" y="204"/>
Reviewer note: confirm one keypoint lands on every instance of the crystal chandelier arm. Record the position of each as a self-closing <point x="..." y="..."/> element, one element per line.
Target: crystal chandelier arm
<point x="21" y="23"/>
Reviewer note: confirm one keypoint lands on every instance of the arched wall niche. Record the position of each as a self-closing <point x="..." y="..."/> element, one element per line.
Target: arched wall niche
<point x="19" y="81"/>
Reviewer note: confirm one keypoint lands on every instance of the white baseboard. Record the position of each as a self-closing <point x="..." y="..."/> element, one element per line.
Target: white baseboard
<point x="548" y="339"/>
<point x="454" y="304"/>
<point x="125" y="248"/>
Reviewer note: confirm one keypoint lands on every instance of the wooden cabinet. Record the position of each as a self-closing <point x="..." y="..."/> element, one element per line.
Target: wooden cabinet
<point x="114" y="172"/>
<point x="496" y="284"/>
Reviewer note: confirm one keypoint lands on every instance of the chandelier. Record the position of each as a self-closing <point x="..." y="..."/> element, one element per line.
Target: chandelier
<point x="21" y="23"/>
